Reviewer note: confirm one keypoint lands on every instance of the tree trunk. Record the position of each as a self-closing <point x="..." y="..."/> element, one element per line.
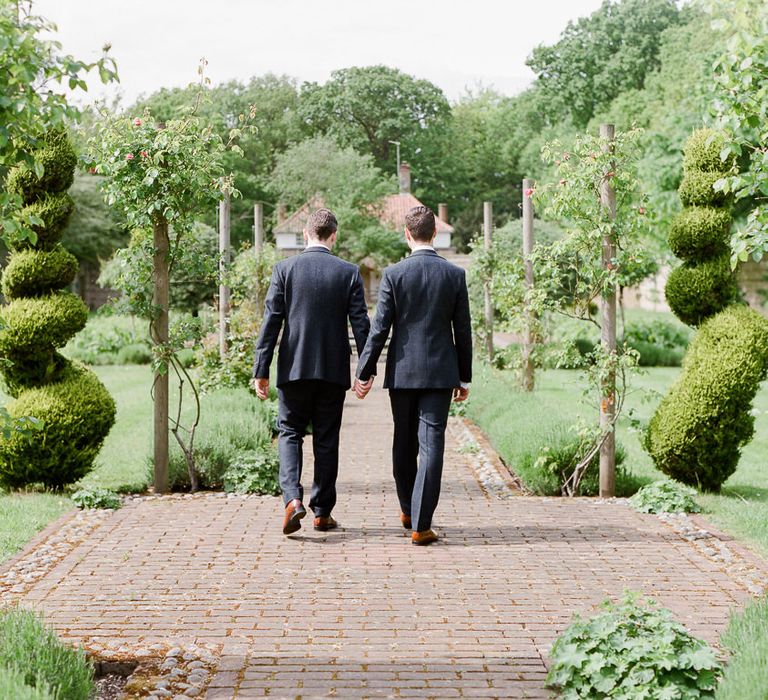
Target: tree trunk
<point x="160" y="337"/>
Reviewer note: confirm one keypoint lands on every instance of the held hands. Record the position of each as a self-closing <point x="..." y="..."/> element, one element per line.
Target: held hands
<point x="361" y="389"/>
<point x="261" y="387"/>
<point x="460" y="394"/>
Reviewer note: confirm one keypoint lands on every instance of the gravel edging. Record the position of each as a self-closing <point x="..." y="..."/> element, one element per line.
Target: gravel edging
<point x="491" y="473"/>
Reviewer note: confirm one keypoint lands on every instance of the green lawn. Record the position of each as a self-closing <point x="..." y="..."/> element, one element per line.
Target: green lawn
<point x="516" y="422"/>
<point x="122" y="460"/>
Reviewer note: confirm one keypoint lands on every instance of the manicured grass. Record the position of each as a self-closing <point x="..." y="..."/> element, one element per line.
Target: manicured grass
<point x="746" y="639"/>
<point x="121" y="461"/>
<point x="23" y="515"/>
<point x="517" y="423"/>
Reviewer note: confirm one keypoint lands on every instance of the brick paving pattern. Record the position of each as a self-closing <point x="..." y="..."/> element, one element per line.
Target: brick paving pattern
<point x="360" y="612"/>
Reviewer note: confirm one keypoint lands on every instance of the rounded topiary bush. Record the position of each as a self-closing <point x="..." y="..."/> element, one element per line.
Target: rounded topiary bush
<point x="76" y="410"/>
<point x="696" y="291"/>
<point x="77" y="413"/>
<point x="697" y="189"/>
<point x="54" y="211"/>
<point x="32" y="273"/>
<point x="698" y="233"/>
<point x="696" y="434"/>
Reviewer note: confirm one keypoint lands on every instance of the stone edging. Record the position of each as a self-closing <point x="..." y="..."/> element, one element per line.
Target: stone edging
<point x="491" y="473"/>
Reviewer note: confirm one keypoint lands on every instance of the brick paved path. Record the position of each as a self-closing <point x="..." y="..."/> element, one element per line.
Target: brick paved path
<point x="361" y="612"/>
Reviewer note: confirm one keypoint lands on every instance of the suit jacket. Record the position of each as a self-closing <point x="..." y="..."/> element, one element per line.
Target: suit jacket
<point x="424" y="300"/>
<point x="311" y="296"/>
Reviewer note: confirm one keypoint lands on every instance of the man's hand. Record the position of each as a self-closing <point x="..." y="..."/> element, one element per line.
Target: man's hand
<point x="460" y="394"/>
<point x="261" y="387"/>
<point x="361" y="389"/>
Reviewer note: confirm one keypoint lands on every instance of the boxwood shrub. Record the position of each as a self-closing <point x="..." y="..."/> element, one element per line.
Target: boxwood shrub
<point x="699" y="233"/>
<point x="698" y="430"/>
<point x="77" y="413"/>
<point x="695" y="291"/>
<point x="697" y="189"/>
<point x="76" y="410"/>
<point x="31" y="273"/>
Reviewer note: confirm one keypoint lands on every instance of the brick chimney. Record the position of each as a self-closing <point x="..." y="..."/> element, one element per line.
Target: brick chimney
<point x="405" y="178"/>
<point x="442" y="212"/>
<point x="281" y="213"/>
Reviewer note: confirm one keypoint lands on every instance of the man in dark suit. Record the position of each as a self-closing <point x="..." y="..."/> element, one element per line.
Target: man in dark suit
<point x="310" y="298"/>
<point x="424" y="300"/>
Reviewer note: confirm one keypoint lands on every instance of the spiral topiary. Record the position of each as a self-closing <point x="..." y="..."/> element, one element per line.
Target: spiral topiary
<point x="40" y="316"/>
<point x="700" y="426"/>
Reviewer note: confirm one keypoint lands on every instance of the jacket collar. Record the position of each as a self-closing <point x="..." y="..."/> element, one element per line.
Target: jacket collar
<point x="424" y="251"/>
<point x="316" y="249"/>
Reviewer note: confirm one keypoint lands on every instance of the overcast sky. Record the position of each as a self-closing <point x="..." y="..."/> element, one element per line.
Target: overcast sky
<point x="454" y="43"/>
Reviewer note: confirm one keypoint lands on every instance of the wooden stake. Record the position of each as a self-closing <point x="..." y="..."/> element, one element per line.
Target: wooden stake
<point x="258" y="228"/>
<point x="608" y="335"/>
<point x="530" y="317"/>
<point x="160" y="332"/>
<point x="224" y="221"/>
<point x="487" y="242"/>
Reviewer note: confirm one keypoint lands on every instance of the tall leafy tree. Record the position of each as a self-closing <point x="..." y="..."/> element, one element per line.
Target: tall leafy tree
<point x="369" y="107"/>
<point x="600" y="56"/>
<point x="276" y="123"/>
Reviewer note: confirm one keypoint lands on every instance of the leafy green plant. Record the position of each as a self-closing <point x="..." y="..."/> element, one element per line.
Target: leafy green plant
<point x="31" y="648"/>
<point x="665" y="497"/>
<point x="31" y="65"/>
<point x="741" y="88"/>
<point x="632" y="651"/>
<point x="96" y="498"/>
<point x="553" y="464"/>
<point x="254" y="472"/>
<point x="746" y="640"/>
<point x="234" y="423"/>
<point x="13" y="685"/>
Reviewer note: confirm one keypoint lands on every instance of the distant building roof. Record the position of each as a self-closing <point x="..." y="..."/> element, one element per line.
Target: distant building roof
<point x="297" y="221"/>
<point x="390" y="211"/>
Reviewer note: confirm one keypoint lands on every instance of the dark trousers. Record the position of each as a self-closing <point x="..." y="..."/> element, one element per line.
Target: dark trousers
<point x="303" y="402"/>
<point x="420" y="417"/>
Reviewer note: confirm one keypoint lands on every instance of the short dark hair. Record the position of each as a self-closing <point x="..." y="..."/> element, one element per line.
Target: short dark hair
<point x="322" y="224"/>
<point x="420" y="221"/>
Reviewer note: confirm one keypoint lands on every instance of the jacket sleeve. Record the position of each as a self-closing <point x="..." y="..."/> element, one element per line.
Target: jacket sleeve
<point x="274" y="314"/>
<point x="358" y="313"/>
<point x="382" y="322"/>
<point x="462" y="331"/>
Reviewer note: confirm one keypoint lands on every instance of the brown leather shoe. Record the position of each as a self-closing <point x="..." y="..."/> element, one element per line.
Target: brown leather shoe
<point x="424" y="537"/>
<point x="294" y="512"/>
<point x="406" y="521"/>
<point x="325" y="523"/>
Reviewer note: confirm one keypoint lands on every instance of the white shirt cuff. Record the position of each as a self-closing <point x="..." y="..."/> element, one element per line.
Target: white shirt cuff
<point x="464" y="385"/>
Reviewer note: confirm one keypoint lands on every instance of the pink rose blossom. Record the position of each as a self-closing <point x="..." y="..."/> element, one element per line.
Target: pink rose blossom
<point x="529" y="192"/>
<point x="144" y="154"/>
<point x="130" y="156"/>
<point x="641" y="210"/>
<point x="137" y="122"/>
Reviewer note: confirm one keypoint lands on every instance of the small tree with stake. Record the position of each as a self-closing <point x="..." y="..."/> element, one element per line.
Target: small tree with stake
<point x="161" y="177"/>
<point x="596" y="200"/>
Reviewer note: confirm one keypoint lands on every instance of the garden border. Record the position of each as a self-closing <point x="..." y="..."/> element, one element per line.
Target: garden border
<point x="38" y="539"/>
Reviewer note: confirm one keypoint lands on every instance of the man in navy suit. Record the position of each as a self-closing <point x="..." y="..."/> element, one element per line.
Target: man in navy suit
<point x="424" y="300"/>
<point x="311" y="296"/>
